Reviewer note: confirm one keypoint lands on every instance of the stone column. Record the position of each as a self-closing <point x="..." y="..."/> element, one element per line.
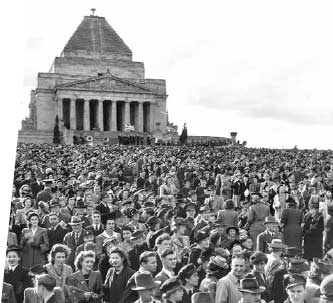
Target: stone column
<point x="140" y="117"/>
<point x="127" y="119"/>
<point x="100" y="115"/>
<point x="86" y="115"/>
<point x="113" y="116"/>
<point x="73" y="114"/>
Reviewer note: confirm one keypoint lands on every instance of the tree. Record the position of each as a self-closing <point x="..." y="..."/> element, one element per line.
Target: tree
<point x="183" y="136"/>
<point x="56" y="132"/>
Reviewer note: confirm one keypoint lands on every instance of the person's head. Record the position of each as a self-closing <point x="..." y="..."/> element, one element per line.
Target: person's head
<point x="127" y="232"/>
<point x="110" y="225"/>
<point x="27" y="203"/>
<point x="258" y="260"/>
<point x="53" y="219"/>
<point x="145" y="285"/>
<point x="96" y="217"/>
<point x="188" y="275"/>
<point x="85" y="260"/>
<point x="148" y="261"/>
<point x="163" y="242"/>
<point x="45" y="285"/>
<point x="118" y="257"/>
<point x="295" y="287"/>
<point x="172" y="290"/>
<point x="88" y="236"/>
<point x="169" y="259"/>
<point x="13" y="256"/>
<point x="138" y="237"/>
<point x="190" y="210"/>
<point x="232" y="231"/>
<point x="326" y="290"/>
<point x="238" y="265"/>
<point x="243" y="234"/>
<point x="271" y="224"/>
<point x="247" y="243"/>
<point x="33" y="219"/>
<point x="71" y="202"/>
<point x="76" y="224"/>
<point x="59" y="254"/>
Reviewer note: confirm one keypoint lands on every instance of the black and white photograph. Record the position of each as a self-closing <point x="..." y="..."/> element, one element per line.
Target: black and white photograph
<point x="167" y="151"/>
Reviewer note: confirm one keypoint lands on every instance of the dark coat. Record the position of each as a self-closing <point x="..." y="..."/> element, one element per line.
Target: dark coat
<point x="44" y="195"/>
<point x="292" y="231"/>
<point x="187" y="296"/>
<point x="278" y="293"/>
<point x="8" y="295"/>
<point x="328" y="234"/>
<point x="96" y="232"/>
<point x="313" y="235"/>
<point x="115" y="285"/>
<point x="56" y="236"/>
<point x="262" y="282"/>
<point x="19" y="279"/>
<point x="103" y="209"/>
<point x="34" y="252"/>
<point x="134" y="255"/>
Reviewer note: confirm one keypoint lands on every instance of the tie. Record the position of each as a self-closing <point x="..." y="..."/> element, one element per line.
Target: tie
<point x="190" y="293"/>
<point x="96" y="227"/>
<point x="76" y="237"/>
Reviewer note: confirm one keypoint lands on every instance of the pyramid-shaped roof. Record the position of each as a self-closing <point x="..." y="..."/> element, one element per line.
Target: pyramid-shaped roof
<point x="95" y="37"/>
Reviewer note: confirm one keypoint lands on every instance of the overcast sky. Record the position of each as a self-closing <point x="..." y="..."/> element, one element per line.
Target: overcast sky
<point x="261" y="68"/>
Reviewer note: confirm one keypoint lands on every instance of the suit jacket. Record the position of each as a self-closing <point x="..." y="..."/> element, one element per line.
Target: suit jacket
<point x="103" y="209"/>
<point x="69" y="240"/>
<point x="96" y="232"/>
<point x="19" y="279"/>
<point x="264" y="239"/>
<point x="36" y="188"/>
<point x="30" y="296"/>
<point x="8" y="295"/>
<point x="262" y="282"/>
<point x="162" y="276"/>
<point x="229" y="217"/>
<point x="187" y="296"/>
<point x="34" y="252"/>
<point x="94" y="284"/>
<point x="135" y="253"/>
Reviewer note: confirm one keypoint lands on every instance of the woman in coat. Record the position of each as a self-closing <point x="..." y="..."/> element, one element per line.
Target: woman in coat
<point x="117" y="276"/>
<point x="85" y="279"/>
<point x="228" y="215"/>
<point x="291" y="220"/>
<point x="56" y="267"/>
<point x="34" y="242"/>
<point x="313" y="233"/>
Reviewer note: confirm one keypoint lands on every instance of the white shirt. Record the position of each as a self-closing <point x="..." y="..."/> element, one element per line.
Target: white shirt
<point x="12" y="268"/>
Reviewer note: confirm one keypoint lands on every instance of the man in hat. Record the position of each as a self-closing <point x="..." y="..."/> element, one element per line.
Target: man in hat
<point x="109" y="222"/>
<point x="15" y="274"/>
<point x="326" y="290"/>
<point x="275" y="260"/>
<point x="172" y="290"/>
<point x="188" y="275"/>
<point x="227" y="288"/>
<point x="271" y="232"/>
<point x="74" y="238"/>
<point x="145" y="285"/>
<point x="250" y="289"/>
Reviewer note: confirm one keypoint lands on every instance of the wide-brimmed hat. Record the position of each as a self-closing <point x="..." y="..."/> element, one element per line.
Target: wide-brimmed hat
<point x="187" y="271"/>
<point x="201" y="297"/>
<point x="232" y="227"/>
<point x="170" y="285"/>
<point x="298" y="266"/>
<point x="75" y="220"/>
<point x="145" y="281"/>
<point x="202" y="235"/>
<point x="251" y="285"/>
<point x="277" y="244"/>
<point x="258" y="257"/>
<point x="292" y="252"/>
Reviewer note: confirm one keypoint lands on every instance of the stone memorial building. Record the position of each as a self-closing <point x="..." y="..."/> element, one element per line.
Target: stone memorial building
<point x="96" y="90"/>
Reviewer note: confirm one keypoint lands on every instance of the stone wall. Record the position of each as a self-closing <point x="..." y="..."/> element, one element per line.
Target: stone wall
<point x="91" y="67"/>
<point x="46" y="110"/>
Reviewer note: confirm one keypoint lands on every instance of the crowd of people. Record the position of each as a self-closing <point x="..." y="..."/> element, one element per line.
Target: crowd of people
<point x="192" y="224"/>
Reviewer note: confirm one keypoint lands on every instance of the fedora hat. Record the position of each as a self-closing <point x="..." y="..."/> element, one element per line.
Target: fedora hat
<point x="13" y="248"/>
<point x="251" y="285"/>
<point x="292" y="252"/>
<point x="293" y="280"/>
<point x="75" y="220"/>
<point x="277" y="244"/>
<point x="298" y="266"/>
<point x="145" y="281"/>
<point x="270" y="219"/>
<point x="201" y="297"/>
